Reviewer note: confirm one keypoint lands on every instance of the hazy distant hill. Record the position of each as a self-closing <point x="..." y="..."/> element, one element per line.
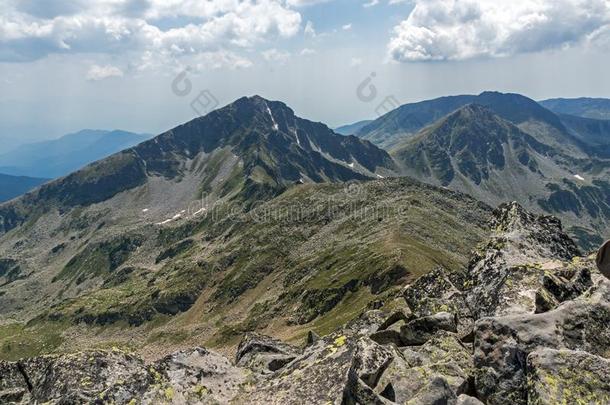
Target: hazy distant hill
<point x="528" y="115"/>
<point x="352" y="129"/>
<point x="596" y="108"/>
<point x="14" y="186"/>
<point x="58" y="157"/>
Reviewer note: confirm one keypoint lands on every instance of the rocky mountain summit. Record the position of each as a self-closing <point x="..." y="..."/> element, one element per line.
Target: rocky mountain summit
<point x="525" y="323"/>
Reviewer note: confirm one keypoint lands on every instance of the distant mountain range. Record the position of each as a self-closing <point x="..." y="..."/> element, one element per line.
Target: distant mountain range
<point x="352" y="129"/>
<point x="58" y="157"/>
<point x="251" y="217"/>
<point x="498" y="146"/>
<point x="14" y="186"/>
<point x="409" y="119"/>
<point x="250" y="150"/>
<point x="596" y="108"/>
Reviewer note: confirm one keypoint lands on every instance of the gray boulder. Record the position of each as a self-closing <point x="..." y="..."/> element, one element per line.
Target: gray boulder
<point x="264" y="354"/>
<point x="567" y="377"/>
<point x="502" y="344"/>
<point x="505" y="273"/>
<point x="419" y="331"/>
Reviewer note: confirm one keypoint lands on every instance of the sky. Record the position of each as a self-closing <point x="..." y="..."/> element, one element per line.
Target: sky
<point x="149" y="65"/>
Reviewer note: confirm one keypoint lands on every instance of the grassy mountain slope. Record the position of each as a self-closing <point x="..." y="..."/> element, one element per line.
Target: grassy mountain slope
<point x="477" y="152"/>
<point x="308" y="259"/>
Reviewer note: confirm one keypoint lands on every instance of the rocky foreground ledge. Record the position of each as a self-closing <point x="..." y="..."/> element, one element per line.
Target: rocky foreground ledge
<point x="527" y="323"/>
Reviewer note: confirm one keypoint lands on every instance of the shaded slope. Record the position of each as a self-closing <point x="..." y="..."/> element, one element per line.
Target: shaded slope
<point x="475" y="151"/>
<point x="251" y="149"/>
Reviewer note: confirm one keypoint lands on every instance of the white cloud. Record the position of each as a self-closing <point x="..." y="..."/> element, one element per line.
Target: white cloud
<point x="301" y="3"/>
<point x="219" y="60"/>
<point x="111" y="26"/>
<point x="310" y="31"/>
<point x="371" y="3"/>
<point x="355" y="62"/>
<point x="347" y="27"/>
<point x="308" y="52"/>
<point x="97" y="72"/>
<point x="463" y="29"/>
<point x="275" y="56"/>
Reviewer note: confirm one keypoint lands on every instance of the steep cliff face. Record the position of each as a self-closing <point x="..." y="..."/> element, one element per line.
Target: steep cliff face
<point x="524" y="323"/>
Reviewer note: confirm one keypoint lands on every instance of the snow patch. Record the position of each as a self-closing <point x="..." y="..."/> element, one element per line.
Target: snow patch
<point x="200" y="211"/>
<point x="380" y="176"/>
<point x="174" y="218"/>
<point x="351" y="165"/>
<point x="145" y="210"/>
<point x="275" y="126"/>
<point x="579" y="177"/>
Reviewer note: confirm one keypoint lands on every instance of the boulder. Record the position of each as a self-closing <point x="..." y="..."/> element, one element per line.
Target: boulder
<point x="318" y="376"/>
<point x="419" y="331"/>
<point x="386" y="337"/>
<point x="436" y="392"/>
<point x="567" y="377"/>
<point x="369" y="362"/>
<point x="196" y="376"/>
<point x="13" y="384"/>
<point x="506" y="272"/>
<point x="264" y="354"/>
<point x="603" y="259"/>
<point x="107" y="376"/>
<point x="468" y="400"/>
<point x="441" y="357"/>
<point x="502" y="344"/>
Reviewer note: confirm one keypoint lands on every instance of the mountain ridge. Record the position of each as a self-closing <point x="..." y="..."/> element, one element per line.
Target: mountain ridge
<point x="407" y="120"/>
<point x="238" y="151"/>
<point x="475" y="151"/>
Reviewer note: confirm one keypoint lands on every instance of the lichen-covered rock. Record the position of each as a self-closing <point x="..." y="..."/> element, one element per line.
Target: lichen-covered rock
<point x="419" y="331"/>
<point x="443" y="357"/>
<point x="502" y="344"/>
<point x="13" y="384"/>
<point x="195" y="376"/>
<point x="369" y="362"/>
<point x="567" y="377"/>
<point x="387" y="336"/>
<point x="264" y="354"/>
<point x="437" y="292"/>
<point x="107" y="376"/>
<point x="505" y="274"/>
<point x="436" y="392"/>
<point x="318" y="376"/>
<point x="468" y="400"/>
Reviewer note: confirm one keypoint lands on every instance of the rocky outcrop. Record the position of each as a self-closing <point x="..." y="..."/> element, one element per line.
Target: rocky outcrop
<point x="526" y="323"/>
<point x="264" y="354"/>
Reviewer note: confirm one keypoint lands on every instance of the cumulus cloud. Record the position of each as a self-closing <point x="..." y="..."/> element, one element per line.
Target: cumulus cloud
<point x="275" y="56"/>
<point x="28" y="32"/>
<point x="301" y="3"/>
<point x="310" y="31"/>
<point x="97" y="72"/>
<point x="463" y="29"/>
<point x="308" y="52"/>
